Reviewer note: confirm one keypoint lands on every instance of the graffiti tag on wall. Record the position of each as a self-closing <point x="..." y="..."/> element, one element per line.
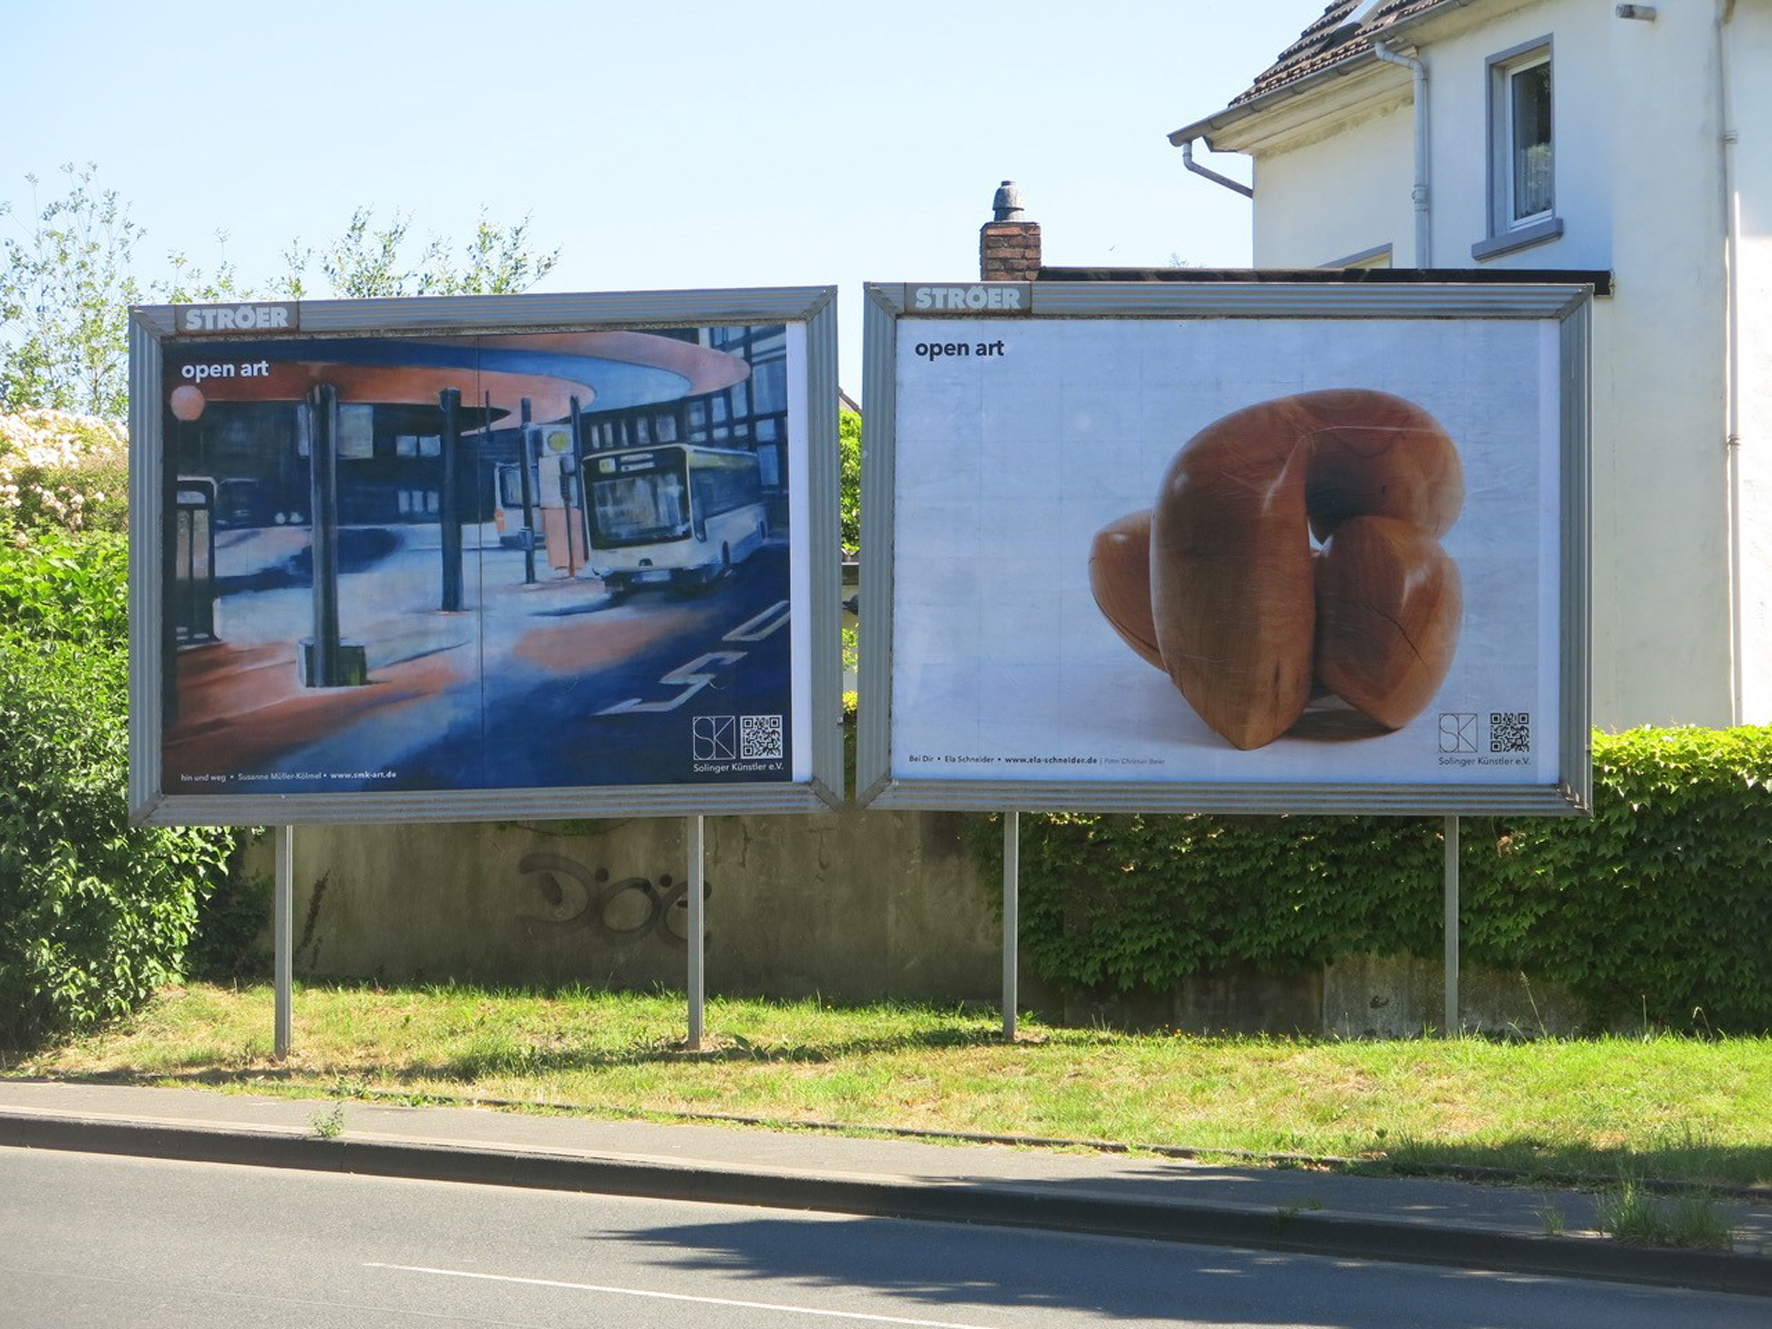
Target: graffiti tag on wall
<point x="625" y="908"/>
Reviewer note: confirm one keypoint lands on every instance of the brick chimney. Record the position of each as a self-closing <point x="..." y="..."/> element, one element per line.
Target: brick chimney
<point x="1008" y="244"/>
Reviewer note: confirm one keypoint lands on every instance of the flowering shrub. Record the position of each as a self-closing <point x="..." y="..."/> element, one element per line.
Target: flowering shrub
<point x="62" y="470"/>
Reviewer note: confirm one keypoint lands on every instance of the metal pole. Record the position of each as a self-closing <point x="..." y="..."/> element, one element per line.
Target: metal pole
<point x="325" y="669"/>
<point x="1011" y="918"/>
<point x="584" y="484"/>
<point x="449" y="502"/>
<point x="697" y="936"/>
<point x="1453" y="1028"/>
<point x="527" y="487"/>
<point x="282" y="925"/>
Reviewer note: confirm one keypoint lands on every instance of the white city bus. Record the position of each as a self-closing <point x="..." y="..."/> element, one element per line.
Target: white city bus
<point x="674" y="514"/>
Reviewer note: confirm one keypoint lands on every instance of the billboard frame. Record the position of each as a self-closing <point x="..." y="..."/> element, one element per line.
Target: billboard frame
<point x="153" y="327"/>
<point x="1567" y="304"/>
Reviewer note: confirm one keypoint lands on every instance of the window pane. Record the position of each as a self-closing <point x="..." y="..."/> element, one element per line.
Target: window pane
<point x="1530" y="92"/>
<point x="356" y="432"/>
<point x="769" y="387"/>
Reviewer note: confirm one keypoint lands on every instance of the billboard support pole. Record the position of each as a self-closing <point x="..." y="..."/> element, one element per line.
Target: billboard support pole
<point x="1452" y="1027"/>
<point x="1011" y="919"/>
<point x="697" y="935"/>
<point x="282" y="924"/>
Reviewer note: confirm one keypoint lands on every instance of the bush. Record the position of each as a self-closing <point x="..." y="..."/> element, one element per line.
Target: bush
<point x="1658" y="906"/>
<point x="849" y="479"/>
<point x="94" y="916"/>
<point x="228" y="945"/>
<point x="62" y="471"/>
<point x="59" y="587"/>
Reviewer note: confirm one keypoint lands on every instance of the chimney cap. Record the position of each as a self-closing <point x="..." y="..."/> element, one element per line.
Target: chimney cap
<point x="1007" y="205"/>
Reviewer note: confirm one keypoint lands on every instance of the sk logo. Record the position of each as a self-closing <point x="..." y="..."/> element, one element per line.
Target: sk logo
<point x="1458" y="731"/>
<point x="715" y="738"/>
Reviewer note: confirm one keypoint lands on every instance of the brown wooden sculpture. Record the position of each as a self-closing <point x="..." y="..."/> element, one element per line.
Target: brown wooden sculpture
<point x="1240" y="607"/>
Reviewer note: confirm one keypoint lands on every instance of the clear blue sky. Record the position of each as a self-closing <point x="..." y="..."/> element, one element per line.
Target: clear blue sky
<point x="684" y="144"/>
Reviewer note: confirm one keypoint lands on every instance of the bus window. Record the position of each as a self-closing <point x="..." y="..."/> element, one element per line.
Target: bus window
<point x="726" y="487"/>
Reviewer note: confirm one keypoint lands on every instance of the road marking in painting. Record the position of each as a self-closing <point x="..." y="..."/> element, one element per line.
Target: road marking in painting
<point x="755" y="629"/>
<point x="671" y="1296"/>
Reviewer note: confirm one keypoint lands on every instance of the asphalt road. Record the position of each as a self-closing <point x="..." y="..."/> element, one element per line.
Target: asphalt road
<point x="98" y="1240"/>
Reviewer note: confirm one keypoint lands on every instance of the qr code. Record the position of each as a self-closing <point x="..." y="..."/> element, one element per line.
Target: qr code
<point x="759" y="737"/>
<point x="1510" y="731"/>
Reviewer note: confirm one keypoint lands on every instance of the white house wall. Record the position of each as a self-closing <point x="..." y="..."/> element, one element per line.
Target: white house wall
<point x="1322" y="202"/>
<point x="1751" y="85"/>
<point x="1664" y="649"/>
<point x="1638" y="188"/>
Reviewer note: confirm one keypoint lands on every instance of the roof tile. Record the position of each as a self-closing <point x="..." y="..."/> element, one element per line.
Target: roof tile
<point x="1331" y="39"/>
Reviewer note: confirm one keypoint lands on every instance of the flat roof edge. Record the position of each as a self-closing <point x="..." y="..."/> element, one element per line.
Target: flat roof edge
<point x="1599" y="278"/>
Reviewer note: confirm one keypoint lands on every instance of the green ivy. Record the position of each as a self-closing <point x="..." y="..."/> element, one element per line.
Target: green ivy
<point x="1659" y="905"/>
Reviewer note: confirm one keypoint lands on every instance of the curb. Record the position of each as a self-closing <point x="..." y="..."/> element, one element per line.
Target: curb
<point x="1022" y="1205"/>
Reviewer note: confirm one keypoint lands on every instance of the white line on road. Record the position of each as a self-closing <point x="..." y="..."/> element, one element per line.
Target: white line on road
<point x="671" y="1296"/>
<point x="754" y="629"/>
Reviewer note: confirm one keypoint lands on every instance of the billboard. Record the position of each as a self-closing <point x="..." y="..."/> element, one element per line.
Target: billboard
<point x="1268" y="547"/>
<point x="484" y="556"/>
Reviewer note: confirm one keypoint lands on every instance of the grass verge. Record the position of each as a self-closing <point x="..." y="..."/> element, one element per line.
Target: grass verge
<point x="1675" y="1109"/>
<point x="1631" y="1213"/>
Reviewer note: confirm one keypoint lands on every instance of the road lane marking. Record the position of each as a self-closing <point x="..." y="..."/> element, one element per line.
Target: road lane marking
<point x="671" y="1296"/>
<point x="755" y="629"/>
<point x="692" y="678"/>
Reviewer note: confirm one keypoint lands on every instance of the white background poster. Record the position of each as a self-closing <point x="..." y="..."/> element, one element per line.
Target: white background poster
<point x="1011" y="455"/>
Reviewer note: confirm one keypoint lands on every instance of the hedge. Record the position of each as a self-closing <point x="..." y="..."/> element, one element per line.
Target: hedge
<point x="1658" y="907"/>
<point x="94" y="915"/>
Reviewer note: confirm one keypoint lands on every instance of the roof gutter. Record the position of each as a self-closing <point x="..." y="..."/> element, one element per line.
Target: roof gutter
<point x="1743" y="709"/>
<point x="1424" y="229"/>
<point x="1231" y="115"/>
<point x="1187" y="160"/>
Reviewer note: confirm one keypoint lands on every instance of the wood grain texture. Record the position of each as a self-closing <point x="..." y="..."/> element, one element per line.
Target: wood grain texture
<point x="1231" y="584"/>
<point x="1120" y="580"/>
<point x="1389" y="608"/>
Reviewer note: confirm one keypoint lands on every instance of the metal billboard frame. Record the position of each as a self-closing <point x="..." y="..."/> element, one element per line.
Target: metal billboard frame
<point x="1565" y="304"/>
<point x="152" y="328"/>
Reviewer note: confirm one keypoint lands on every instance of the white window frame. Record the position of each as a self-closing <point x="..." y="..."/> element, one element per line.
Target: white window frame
<point x="1505" y="231"/>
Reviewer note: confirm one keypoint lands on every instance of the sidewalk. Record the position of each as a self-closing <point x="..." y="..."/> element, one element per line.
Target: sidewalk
<point x="1500" y="1228"/>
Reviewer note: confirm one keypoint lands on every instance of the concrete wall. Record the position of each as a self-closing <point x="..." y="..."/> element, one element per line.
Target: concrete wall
<point x="851" y="906"/>
<point x="1640" y="192"/>
<point x="848" y="905"/>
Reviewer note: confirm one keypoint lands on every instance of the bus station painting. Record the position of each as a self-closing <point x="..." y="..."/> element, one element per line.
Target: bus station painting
<point x="409" y="563"/>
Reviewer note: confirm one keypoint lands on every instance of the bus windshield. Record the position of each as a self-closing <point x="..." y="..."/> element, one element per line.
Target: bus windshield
<point x="637" y="509"/>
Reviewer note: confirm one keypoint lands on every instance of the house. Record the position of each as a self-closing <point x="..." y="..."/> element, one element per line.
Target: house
<point x="1634" y="139"/>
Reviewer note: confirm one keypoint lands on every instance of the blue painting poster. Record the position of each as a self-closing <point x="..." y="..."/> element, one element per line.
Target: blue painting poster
<point x="511" y="561"/>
